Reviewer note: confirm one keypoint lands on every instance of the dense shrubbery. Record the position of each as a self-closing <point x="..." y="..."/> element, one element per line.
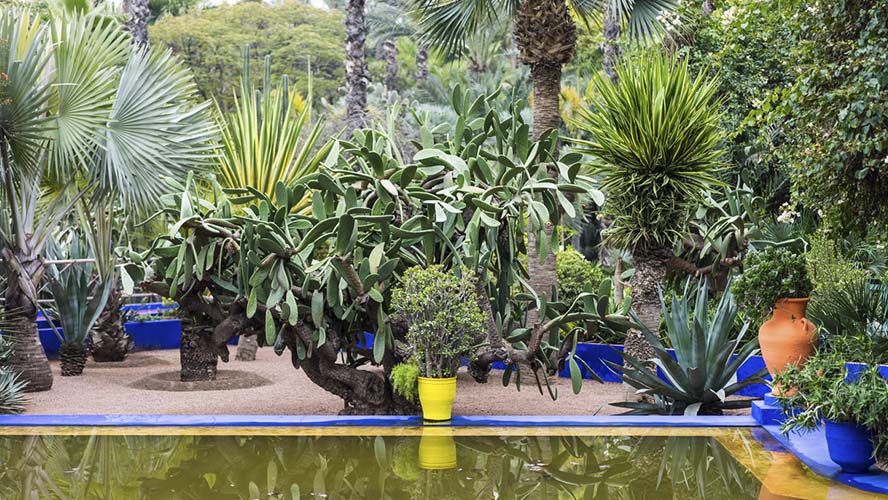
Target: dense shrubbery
<point x="576" y="274"/>
<point x="770" y="274"/>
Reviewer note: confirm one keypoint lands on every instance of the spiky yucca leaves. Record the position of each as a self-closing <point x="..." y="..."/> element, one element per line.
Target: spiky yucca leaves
<point x="702" y="375"/>
<point x="655" y="141"/>
<point x="266" y="139"/>
<point x="545" y="32"/>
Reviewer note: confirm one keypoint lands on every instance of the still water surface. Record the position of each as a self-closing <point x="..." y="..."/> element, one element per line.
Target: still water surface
<point x="436" y="463"/>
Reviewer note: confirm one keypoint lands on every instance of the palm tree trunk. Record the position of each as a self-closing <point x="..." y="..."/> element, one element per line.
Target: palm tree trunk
<point x="23" y="270"/>
<point x="650" y="270"/>
<point x="422" y="63"/>
<point x="137" y="24"/>
<point x="546" y="116"/>
<point x="110" y="342"/>
<point x="390" y="54"/>
<point x="708" y="7"/>
<point x="611" y="42"/>
<point x="356" y="74"/>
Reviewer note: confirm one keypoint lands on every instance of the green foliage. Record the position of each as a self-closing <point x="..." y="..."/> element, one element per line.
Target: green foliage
<point x="78" y="298"/>
<point x="575" y="274"/>
<point x="12" y="389"/>
<point x="444" y="319"/>
<point x="824" y="391"/>
<point x="468" y="198"/>
<point x="702" y="374"/>
<point x="654" y="140"/>
<point x="828" y="268"/>
<point x="749" y="45"/>
<point x="405" y="377"/>
<point x="770" y="274"/>
<point x="853" y="317"/>
<point x="210" y="42"/>
<point x="265" y="140"/>
<point x="835" y="111"/>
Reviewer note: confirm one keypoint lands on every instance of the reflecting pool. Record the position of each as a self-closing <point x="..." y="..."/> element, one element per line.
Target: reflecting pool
<point x="403" y="463"/>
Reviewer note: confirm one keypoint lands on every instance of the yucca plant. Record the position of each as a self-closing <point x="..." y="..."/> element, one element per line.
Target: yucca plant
<point x="83" y="115"/>
<point x="654" y="140"/>
<point x="268" y="138"/>
<point x="703" y="372"/>
<point x="78" y="298"/>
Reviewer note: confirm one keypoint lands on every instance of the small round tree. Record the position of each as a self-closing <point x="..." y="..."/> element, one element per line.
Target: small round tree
<point x="443" y="317"/>
<point x="655" y="142"/>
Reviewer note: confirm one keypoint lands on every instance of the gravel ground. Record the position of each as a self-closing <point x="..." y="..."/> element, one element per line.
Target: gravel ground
<point x="106" y="388"/>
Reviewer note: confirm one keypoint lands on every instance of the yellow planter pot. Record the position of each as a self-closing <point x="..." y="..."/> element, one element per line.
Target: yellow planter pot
<point x="436" y="397"/>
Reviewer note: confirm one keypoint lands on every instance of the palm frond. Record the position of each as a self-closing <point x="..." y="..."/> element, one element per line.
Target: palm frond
<point x="25" y="88"/>
<point x="446" y="24"/>
<point x="154" y="130"/>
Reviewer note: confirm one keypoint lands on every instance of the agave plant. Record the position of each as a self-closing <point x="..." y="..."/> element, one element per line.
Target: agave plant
<point x="12" y="388"/>
<point x="701" y="376"/>
<point x="78" y="300"/>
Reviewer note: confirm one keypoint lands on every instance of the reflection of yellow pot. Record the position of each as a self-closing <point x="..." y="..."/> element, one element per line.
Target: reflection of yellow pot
<point x="436" y="397"/>
<point x="437" y="449"/>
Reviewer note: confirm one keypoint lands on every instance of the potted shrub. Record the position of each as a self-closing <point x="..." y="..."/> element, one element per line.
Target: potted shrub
<point x="444" y="323"/>
<point x="852" y="406"/>
<point x="776" y="280"/>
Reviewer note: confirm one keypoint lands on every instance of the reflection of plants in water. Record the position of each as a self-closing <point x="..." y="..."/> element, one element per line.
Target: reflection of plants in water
<point x="687" y="468"/>
<point x="284" y="468"/>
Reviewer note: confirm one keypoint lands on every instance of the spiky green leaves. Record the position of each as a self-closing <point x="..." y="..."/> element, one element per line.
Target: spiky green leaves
<point x="655" y="142"/>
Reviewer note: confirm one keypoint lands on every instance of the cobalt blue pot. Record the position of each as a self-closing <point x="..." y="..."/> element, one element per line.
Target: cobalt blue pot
<point x="850" y="446"/>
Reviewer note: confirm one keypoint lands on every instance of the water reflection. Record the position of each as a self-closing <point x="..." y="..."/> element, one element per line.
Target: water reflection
<point x="435" y="465"/>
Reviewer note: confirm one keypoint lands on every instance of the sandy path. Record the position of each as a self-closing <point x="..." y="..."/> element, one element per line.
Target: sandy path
<point x="104" y="389"/>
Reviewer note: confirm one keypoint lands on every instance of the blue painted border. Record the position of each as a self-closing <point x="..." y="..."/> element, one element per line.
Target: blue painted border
<point x="811" y="448"/>
<point x="369" y="421"/>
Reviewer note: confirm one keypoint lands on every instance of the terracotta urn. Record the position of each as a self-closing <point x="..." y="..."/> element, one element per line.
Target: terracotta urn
<point x="788" y="337"/>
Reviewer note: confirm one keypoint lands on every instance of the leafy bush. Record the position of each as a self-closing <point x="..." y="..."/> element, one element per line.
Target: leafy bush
<point x="827" y="267"/>
<point x="576" y="274"/>
<point x="823" y="391"/>
<point x="770" y="274"/>
<point x="702" y="374"/>
<point x="443" y="317"/>
<point x="404" y="378"/>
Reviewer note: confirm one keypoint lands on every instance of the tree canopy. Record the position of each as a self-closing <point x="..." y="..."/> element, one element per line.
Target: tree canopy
<point x="211" y="41"/>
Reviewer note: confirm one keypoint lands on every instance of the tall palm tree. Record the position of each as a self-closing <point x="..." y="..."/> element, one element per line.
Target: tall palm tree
<point x="137" y="23"/>
<point x="391" y="19"/>
<point x="655" y="141"/>
<point x="356" y="73"/>
<point x="82" y="116"/>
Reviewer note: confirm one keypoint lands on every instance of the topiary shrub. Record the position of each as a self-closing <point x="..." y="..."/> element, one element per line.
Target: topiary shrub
<point x="443" y="317"/>
<point x="770" y="274"/>
<point x="575" y="275"/>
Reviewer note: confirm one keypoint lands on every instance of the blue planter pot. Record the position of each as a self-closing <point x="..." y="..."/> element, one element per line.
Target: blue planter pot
<point x="850" y="446"/>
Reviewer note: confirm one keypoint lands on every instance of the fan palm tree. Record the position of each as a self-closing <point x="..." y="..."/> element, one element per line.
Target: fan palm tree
<point x="82" y="116"/>
<point x="356" y="73"/>
<point x="392" y="19"/>
<point x="655" y="142"/>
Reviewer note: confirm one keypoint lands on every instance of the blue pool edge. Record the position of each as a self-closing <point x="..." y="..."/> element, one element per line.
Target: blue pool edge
<point x="366" y="421"/>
